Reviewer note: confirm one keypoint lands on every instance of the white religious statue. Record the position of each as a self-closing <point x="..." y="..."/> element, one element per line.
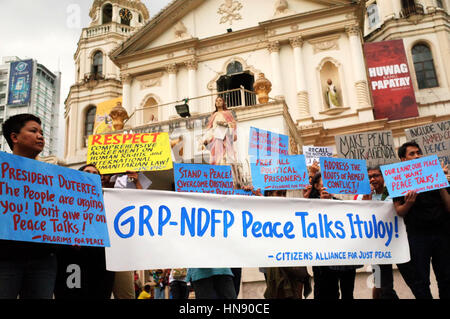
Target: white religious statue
<point x="281" y="8"/>
<point x="332" y="95"/>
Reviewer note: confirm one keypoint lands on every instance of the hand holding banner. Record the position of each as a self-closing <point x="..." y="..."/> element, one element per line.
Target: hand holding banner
<point x="118" y="153"/>
<point x="283" y="172"/>
<point x="41" y="203"/>
<point x="420" y="175"/>
<point x="345" y="176"/>
<point x="237" y="231"/>
<point x="266" y="143"/>
<point x="201" y="178"/>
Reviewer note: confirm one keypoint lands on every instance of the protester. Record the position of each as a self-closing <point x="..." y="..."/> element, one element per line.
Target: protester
<point x="145" y="294"/>
<point x="177" y="283"/>
<point x="427" y="219"/>
<point x="95" y="281"/>
<point x="383" y="276"/>
<point x="286" y="282"/>
<point x="330" y="282"/>
<point x="124" y="280"/>
<point x="161" y="280"/>
<point x="212" y="283"/>
<point x="27" y="270"/>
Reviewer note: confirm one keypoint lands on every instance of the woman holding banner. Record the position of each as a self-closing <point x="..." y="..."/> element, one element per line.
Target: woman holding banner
<point x="88" y="262"/>
<point x="221" y="135"/>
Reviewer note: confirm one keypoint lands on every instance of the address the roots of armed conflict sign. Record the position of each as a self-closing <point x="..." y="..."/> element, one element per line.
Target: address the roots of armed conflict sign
<point x="118" y="153"/>
<point x="45" y="203"/>
<point x="390" y="80"/>
<point x="157" y="229"/>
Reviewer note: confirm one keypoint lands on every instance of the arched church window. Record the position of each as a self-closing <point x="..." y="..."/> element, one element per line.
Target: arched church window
<point x="107" y="13"/>
<point x="424" y="66"/>
<point x="234" y="67"/>
<point x="97" y="63"/>
<point x="235" y="78"/>
<point x="89" y="121"/>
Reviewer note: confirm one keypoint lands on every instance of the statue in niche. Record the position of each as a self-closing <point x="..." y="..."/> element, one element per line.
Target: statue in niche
<point x="281" y="7"/>
<point x="332" y="95"/>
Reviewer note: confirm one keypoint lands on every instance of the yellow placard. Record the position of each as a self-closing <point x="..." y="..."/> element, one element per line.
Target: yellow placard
<point x="103" y="122"/>
<point x="118" y="153"/>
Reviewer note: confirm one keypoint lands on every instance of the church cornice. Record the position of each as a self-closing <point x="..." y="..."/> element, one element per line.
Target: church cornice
<point x="178" y="9"/>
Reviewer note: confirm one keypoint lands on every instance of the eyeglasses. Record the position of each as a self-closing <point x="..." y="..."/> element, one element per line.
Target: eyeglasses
<point x="374" y="176"/>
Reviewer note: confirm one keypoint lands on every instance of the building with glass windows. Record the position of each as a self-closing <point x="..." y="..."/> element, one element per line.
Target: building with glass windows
<point x="43" y="100"/>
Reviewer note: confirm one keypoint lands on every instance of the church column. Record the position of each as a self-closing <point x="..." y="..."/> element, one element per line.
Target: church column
<point x="126" y="92"/>
<point x="359" y="66"/>
<point x="302" y="87"/>
<point x="115" y="13"/>
<point x="397" y="7"/>
<point x="192" y="66"/>
<point x="388" y="9"/>
<point x="277" y="83"/>
<point x="173" y="91"/>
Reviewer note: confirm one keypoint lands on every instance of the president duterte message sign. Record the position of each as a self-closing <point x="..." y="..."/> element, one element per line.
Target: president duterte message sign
<point x="390" y="80"/>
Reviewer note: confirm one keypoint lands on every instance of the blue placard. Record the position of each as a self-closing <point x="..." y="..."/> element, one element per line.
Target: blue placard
<point x="45" y="203"/>
<point x="265" y="143"/>
<point x="280" y="172"/>
<point x="344" y="176"/>
<point x="420" y="175"/>
<point x="201" y="178"/>
<point x="20" y="81"/>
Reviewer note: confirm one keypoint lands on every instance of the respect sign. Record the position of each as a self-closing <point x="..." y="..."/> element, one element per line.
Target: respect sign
<point x="118" y="153"/>
<point x="46" y="203"/>
<point x="253" y="231"/>
<point x="377" y="147"/>
<point x="345" y="176"/>
<point x="433" y="138"/>
<point x="285" y="172"/>
<point x="265" y="143"/>
<point x="420" y="175"/>
<point x="201" y="178"/>
<point x="313" y="153"/>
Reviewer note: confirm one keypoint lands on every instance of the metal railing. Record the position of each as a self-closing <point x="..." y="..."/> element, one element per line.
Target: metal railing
<point x="205" y="103"/>
<point x="412" y="9"/>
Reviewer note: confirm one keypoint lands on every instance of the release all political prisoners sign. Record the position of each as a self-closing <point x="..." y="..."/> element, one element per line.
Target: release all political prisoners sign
<point x="376" y="147"/>
<point x="252" y="231"/>
<point x="390" y="80"/>
<point x="433" y="138"/>
<point x="118" y="153"/>
<point x="281" y="172"/>
<point x="421" y="175"/>
<point x="45" y="203"/>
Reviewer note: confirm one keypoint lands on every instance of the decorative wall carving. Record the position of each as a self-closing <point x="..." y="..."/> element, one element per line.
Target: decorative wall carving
<point x="230" y="11"/>
<point x="325" y="43"/>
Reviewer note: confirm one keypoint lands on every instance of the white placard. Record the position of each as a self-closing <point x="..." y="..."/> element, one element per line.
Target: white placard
<point x="157" y="229"/>
<point x="313" y="153"/>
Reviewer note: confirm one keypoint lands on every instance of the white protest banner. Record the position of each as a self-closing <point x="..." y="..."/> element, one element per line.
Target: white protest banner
<point x="314" y="153"/>
<point x="377" y="147"/>
<point x="158" y="229"/>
